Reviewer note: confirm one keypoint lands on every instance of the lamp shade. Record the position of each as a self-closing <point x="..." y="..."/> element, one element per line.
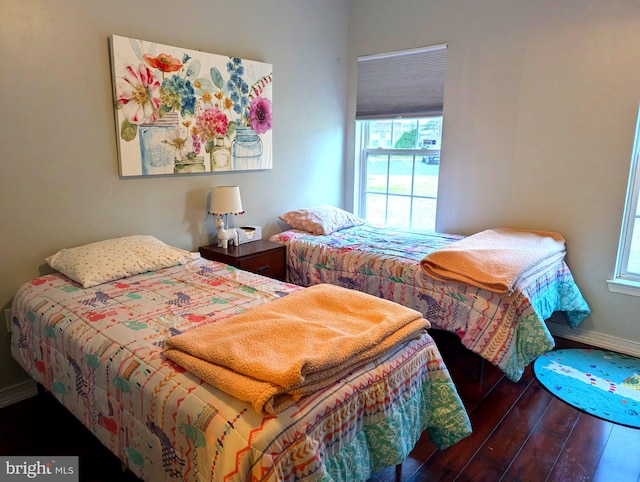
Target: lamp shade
<point x="225" y="200"/>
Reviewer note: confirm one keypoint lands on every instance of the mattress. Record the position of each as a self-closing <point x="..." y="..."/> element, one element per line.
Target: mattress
<point x="99" y="352"/>
<point x="506" y="330"/>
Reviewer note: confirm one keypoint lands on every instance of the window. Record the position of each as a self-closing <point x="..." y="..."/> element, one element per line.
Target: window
<point x="400" y="163"/>
<point x="627" y="273"/>
<point x="399" y="110"/>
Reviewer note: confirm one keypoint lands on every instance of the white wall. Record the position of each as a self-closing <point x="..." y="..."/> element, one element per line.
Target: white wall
<point x="541" y="100"/>
<point x="59" y="184"/>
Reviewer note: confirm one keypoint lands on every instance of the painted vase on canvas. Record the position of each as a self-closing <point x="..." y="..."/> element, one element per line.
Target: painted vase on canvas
<point x="156" y="153"/>
<point x="187" y="166"/>
<point x="247" y="149"/>
<point x="220" y="155"/>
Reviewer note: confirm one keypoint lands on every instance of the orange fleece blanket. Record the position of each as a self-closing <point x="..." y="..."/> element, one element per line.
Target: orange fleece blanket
<point x="273" y="354"/>
<point x="496" y="259"/>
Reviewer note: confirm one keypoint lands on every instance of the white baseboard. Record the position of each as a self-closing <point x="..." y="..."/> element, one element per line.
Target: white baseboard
<point x="600" y="340"/>
<point x="18" y="392"/>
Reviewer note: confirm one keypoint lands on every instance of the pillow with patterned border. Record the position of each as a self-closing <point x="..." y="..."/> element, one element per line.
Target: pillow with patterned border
<point x="112" y="259"/>
<point x="323" y="219"/>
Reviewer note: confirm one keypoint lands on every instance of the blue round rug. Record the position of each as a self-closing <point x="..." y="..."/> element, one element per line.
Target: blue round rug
<point x="599" y="382"/>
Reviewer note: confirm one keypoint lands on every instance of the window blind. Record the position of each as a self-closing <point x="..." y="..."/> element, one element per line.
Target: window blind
<point x="408" y="83"/>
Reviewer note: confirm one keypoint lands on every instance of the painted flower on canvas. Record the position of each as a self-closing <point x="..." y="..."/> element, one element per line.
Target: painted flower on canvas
<point x="214" y="107"/>
<point x="138" y="94"/>
<point x="254" y="110"/>
<point x="260" y="114"/>
<point x="163" y="62"/>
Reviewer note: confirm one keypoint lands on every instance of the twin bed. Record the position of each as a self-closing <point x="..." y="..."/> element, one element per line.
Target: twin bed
<point x="508" y="329"/>
<point x="96" y="338"/>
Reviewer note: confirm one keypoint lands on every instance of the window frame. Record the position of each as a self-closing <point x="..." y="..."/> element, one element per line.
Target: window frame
<point x="362" y="140"/>
<point x="624" y="281"/>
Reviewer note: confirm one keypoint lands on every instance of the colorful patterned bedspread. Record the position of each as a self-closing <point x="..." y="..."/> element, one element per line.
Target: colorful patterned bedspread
<point x="507" y="330"/>
<point x="98" y="350"/>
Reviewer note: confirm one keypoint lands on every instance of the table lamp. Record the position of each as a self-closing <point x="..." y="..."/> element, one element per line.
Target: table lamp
<point x="225" y="200"/>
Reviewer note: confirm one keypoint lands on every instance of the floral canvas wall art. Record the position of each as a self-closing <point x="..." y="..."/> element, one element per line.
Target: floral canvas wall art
<point x="181" y="111"/>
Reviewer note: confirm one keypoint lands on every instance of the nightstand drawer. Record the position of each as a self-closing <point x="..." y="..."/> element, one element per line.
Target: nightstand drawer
<point x="270" y="264"/>
<point x="262" y="257"/>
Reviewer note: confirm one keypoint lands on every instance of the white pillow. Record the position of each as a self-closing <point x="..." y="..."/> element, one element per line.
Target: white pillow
<point x="322" y="219"/>
<point x="112" y="259"/>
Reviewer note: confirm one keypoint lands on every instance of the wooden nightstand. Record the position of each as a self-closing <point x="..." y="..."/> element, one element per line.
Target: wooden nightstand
<point x="262" y="257"/>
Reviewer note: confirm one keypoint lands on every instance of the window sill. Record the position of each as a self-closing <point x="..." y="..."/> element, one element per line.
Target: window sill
<point x="625" y="287"/>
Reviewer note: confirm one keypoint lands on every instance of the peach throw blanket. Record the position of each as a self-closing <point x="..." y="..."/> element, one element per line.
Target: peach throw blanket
<point x="273" y="354"/>
<point x="495" y="259"/>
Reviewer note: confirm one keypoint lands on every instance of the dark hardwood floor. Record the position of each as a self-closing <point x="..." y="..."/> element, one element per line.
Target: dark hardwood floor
<point x="520" y="433"/>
